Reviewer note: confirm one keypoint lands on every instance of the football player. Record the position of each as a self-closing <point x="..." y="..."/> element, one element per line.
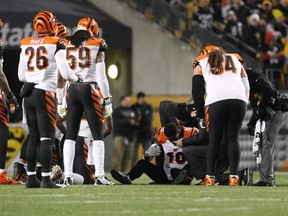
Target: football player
<point x="170" y="159"/>
<point x="85" y="53"/>
<point x="225" y="106"/>
<point x="5" y="94"/>
<point x="40" y="58"/>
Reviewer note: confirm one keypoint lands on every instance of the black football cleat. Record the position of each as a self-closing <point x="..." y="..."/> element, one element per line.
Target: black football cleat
<point x="263" y="184"/>
<point x="120" y="177"/>
<point x="32" y="182"/>
<point x="48" y="183"/>
<point x="247" y="177"/>
<point x="182" y="178"/>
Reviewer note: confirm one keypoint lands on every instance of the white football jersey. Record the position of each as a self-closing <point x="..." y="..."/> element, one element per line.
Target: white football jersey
<point x="38" y="54"/>
<point x="227" y="85"/>
<point x="82" y="60"/>
<point x="173" y="158"/>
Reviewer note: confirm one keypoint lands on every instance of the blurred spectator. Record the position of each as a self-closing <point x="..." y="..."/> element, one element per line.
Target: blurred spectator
<point x="204" y="14"/>
<point x="266" y="9"/>
<point x="233" y="26"/>
<point x="144" y="117"/>
<point x="279" y="22"/>
<point x="124" y="122"/>
<point x="252" y="34"/>
<point x="253" y="5"/>
<point x="241" y="10"/>
<point x="272" y="55"/>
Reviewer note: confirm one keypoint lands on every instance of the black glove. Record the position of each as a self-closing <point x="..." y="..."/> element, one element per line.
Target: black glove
<point x="12" y="100"/>
<point x="251" y="129"/>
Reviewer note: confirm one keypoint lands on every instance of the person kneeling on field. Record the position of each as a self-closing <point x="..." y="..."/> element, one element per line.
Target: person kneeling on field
<point x="170" y="165"/>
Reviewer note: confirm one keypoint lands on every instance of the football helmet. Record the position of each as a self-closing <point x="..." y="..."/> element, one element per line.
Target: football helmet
<point x="62" y="30"/>
<point x="44" y="23"/>
<point x="207" y="49"/>
<point x="88" y="24"/>
<point x="95" y="29"/>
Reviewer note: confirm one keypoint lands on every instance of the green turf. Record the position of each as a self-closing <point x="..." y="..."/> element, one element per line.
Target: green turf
<point x="143" y="199"/>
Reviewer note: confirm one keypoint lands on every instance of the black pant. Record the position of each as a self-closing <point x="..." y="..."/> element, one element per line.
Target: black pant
<point x="80" y="166"/>
<point x="196" y="155"/>
<point x="83" y="98"/>
<point x="156" y="173"/>
<point x="4" y="131"/>
<point x="224" y="117"/>
<point x="40" y="113"/>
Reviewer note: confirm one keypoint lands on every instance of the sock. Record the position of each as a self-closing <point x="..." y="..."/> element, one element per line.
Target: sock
<point x="99" y="156"/>
<point x="31" y="173"/>
<point x="45" y="174"/>
<point x="68" y="157"/>
<point x="3" y="150"/>
<point x="45" y="155"/>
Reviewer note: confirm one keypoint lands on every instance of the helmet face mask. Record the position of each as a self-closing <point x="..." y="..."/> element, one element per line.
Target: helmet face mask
<point x="44" y="23"/>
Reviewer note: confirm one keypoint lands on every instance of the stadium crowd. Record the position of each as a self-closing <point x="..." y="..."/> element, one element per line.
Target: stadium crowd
<point x="257" y="26"/>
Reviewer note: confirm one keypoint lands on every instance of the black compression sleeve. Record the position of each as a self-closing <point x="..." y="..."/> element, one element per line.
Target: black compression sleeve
<point x="198" y="92"/>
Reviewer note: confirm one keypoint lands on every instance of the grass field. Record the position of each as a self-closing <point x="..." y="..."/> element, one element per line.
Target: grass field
<point x="143" y="199"/>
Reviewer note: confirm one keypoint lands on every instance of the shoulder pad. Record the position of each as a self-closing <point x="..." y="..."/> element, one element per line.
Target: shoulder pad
<point x="103" y="46"/>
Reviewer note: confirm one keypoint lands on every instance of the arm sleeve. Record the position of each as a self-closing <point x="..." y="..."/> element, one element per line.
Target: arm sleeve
<point x="267" y="89"/>
<point x="198" y="92"/>
<point x="63" y="66"/>
<point x="21" y="68"/>
<point x="102" y="80"/>
<point x="247" y="87"/>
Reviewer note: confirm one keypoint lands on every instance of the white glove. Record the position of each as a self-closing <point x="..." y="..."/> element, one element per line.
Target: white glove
<point x="153" y="151"/>
<point x="108" y="107"/>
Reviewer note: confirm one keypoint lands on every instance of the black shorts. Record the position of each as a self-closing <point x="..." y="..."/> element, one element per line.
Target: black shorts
<point x="40" y="112"/>
<point x="84" y="98"/>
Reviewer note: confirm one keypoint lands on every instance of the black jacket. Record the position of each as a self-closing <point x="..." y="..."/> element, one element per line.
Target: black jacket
<point x="259" y="84"/>
<point x="144" y="117"/>
<point x="122" y="117"/>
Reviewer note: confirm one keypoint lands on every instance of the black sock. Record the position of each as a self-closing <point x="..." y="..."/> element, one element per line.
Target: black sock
<point x="45" y="155"/>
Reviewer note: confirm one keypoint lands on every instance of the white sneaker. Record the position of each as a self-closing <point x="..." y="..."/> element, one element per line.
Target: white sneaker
<point x="68" y="181"/>
<point x="103" y="180"/>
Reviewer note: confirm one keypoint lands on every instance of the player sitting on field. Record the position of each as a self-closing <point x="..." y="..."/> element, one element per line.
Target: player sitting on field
<point x="170" y="160"/>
